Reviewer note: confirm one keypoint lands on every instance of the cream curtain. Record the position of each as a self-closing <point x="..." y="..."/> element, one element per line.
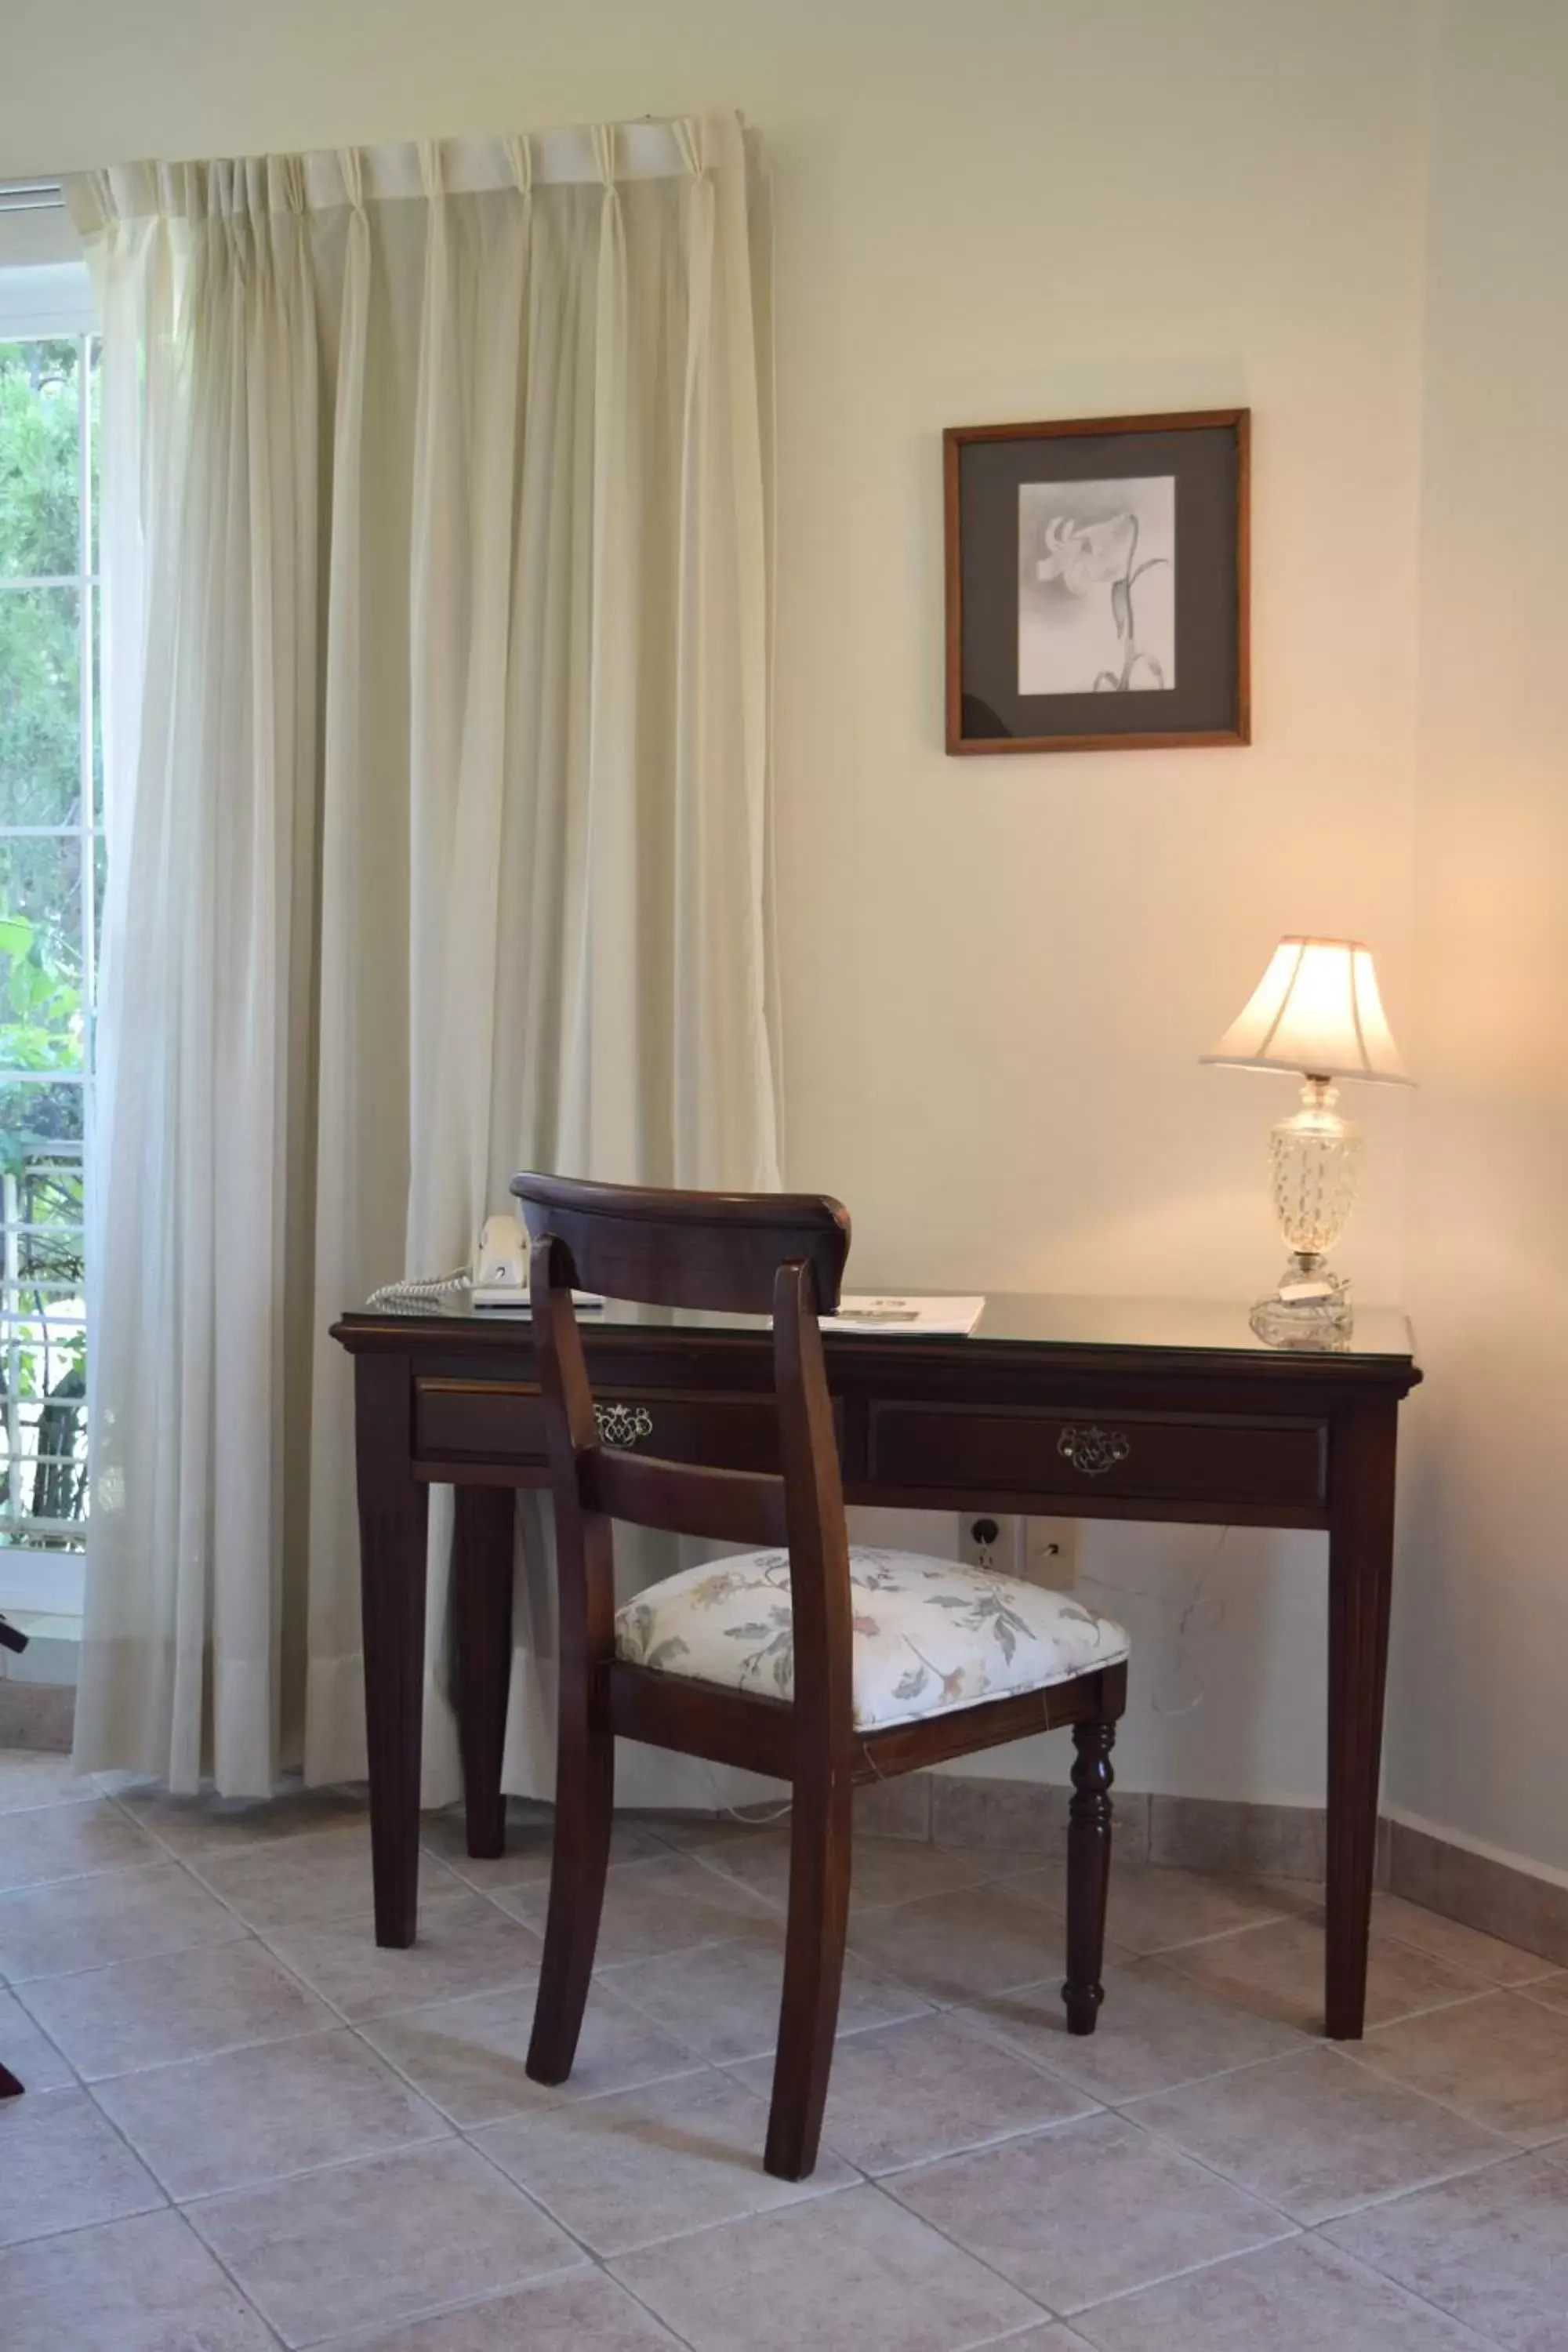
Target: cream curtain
<point x="436" y="551"/>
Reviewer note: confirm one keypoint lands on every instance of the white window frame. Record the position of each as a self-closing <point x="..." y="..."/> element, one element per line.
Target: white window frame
<point x="45" y="295"/>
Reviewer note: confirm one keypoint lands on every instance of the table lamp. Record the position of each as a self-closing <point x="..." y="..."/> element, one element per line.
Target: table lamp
<point x="1315" y="1011"/>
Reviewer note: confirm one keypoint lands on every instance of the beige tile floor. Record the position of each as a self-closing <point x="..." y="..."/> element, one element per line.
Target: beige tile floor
<point x="247" y="2128"/>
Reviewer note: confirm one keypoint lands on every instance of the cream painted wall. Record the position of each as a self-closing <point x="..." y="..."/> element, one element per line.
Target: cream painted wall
<point x="1481" y="1653"/>
<point x="998" y="974"/>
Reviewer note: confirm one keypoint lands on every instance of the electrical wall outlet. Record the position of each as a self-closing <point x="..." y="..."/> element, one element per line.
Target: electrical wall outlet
<point x="1003" y="1543"/>
<point x="990" y="1541"/>
<point x="1050" y="1553"/>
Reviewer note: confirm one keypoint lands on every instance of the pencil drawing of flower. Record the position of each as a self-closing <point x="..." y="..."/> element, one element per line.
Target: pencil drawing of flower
<point x="1085" y="623"/>
<point x="1083" y="555"/>
<point x="1099" y="554"/>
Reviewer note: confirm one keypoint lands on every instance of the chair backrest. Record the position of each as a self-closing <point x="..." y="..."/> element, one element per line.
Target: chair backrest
<point x="736" y="1253"/>
<point x="717" y="1250"/>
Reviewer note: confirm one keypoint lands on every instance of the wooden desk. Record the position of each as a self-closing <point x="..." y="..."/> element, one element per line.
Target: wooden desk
<point x="1074" y="1408"/>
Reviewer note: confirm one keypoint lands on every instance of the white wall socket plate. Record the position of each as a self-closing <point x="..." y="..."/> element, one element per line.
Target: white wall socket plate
<point x="1004" y="1543"/>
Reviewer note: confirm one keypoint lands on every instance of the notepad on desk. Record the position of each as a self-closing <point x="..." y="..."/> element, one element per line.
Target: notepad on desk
<point x="891" y="1317"/>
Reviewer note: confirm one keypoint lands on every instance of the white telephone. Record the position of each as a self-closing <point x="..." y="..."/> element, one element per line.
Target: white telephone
<point x="500" y="1274"/>
<point x="497" y="1278"/>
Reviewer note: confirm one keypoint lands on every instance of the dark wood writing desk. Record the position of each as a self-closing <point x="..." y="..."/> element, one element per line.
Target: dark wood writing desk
<point x="1068" y="1407"/>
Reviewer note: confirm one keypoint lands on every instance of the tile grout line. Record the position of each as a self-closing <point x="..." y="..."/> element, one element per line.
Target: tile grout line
<point x="778" y="1816"/>
<point x="1187" y="2082"/>
<point x="599" y="2261"/>
<point x="165" y="2205"/>
<point x="725" y="2069"/>
<point x="223" y="2271"/>
<point x="250" y="1936"/>
<point x="1291" y="2233"/>
<point x="1046" y="2309"/>
<point x="83" y="2229"/>
<point x="528" y="2113"/>
<point x="424" y="2313"/>
<point x="1296" y="2235"/>
<point x="1411" y="2294"/>
<point x="1352" y="2053"/>
<point x="676" y="2237"/>
<point x="355" y="2335"/>
<point x="78" y="2080"/>
<point x="1171" y="1956"/>
<point x="399" y="2320"/>
<point x="260" y="1931"/>
<point x="602" y="2262"/>
<point x="1291" y="2229"/>
<point x="1290" y="2058"/>
<point x="753" y="2057"/>
<point x="642" y="2305"/>
<point x="1163" y="1952"/>
<point x="333" y="2024"/>
<point x="474" y="2132"/>
<point x="447" y="2130"/>
<point x="260" y="1935"/>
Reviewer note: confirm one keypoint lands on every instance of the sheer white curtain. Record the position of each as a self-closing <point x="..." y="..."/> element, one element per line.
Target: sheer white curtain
<point x="435" y="544"/>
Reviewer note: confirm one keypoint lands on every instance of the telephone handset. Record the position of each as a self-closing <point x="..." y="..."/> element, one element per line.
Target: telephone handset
<point x="500" y="1274"/>
<point x="497" y="1278"/>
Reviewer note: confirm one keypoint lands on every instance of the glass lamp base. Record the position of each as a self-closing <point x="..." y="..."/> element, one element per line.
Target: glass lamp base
<point x="1309" y="1307"/>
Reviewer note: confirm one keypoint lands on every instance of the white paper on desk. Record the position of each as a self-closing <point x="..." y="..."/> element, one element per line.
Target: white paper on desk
<point x="887" y="1318"/>
<point x="515" y="1298"/>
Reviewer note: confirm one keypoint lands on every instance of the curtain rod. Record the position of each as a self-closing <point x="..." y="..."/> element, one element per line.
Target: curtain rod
<point x="31" y="196"/>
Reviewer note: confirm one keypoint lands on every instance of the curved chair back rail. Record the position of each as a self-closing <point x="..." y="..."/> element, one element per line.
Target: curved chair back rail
<point x="715" y="1250"/>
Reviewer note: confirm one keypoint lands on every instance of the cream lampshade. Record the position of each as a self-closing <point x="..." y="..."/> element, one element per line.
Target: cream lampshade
<point x="1316" y="1011"/>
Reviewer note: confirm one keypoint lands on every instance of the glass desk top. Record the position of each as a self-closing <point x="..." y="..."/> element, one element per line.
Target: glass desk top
<point x="1018" y="1318"/>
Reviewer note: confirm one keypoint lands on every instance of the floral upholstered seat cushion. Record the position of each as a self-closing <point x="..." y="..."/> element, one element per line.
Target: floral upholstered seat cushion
<point x="930" y="1634"/>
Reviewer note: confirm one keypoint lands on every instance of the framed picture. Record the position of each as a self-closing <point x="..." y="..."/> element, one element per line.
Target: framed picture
<point x="1096" y="583"/>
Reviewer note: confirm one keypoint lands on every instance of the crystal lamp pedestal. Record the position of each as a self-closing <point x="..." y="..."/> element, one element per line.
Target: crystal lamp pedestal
<point x="1315" y="1162"/>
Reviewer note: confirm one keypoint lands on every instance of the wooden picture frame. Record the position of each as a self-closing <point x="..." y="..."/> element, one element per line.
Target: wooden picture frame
<point x="1099" y="564"/>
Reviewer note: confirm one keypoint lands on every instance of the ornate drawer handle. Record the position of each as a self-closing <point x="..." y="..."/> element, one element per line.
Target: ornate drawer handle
<point x="624" y="1424"/>
<point x="1094" y="1451"/>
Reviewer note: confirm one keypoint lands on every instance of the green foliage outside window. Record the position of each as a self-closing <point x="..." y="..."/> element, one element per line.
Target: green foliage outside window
<point x="44" y="1016"/>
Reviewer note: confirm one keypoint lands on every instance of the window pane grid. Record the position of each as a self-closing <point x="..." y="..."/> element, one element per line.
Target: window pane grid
<point x="48" y="943"/>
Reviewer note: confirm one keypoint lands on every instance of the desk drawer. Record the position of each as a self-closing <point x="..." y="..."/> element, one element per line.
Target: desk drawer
<point x="504" y="1422"/>
<point x="1004" y="1451"/>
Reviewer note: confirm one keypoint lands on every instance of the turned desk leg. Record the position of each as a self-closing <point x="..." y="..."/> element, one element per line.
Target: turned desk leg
<point x="394" y="1518"/>
<point x="482" y="1554"/>
<point x="1361" y="1576"/>
<point x="1090" y="1817"/>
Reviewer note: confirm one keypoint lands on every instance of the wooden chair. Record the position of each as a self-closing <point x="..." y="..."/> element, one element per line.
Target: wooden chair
<point x="630" y="1673"/>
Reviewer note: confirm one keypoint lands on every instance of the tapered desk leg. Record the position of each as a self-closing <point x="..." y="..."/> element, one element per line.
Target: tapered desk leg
<point x="482" y="1553"/>
<point x="9" y="2087"/>
<point x="1361" y="1575"/>
<point x="394" y="1518"/>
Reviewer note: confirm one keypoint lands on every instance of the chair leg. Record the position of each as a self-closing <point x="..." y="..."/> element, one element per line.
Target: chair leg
<point x="819" y="1861"/>
<point x="584" y="1809"/>
<point x="1089" y="1869"/>
<point x="9" y="2087"/>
